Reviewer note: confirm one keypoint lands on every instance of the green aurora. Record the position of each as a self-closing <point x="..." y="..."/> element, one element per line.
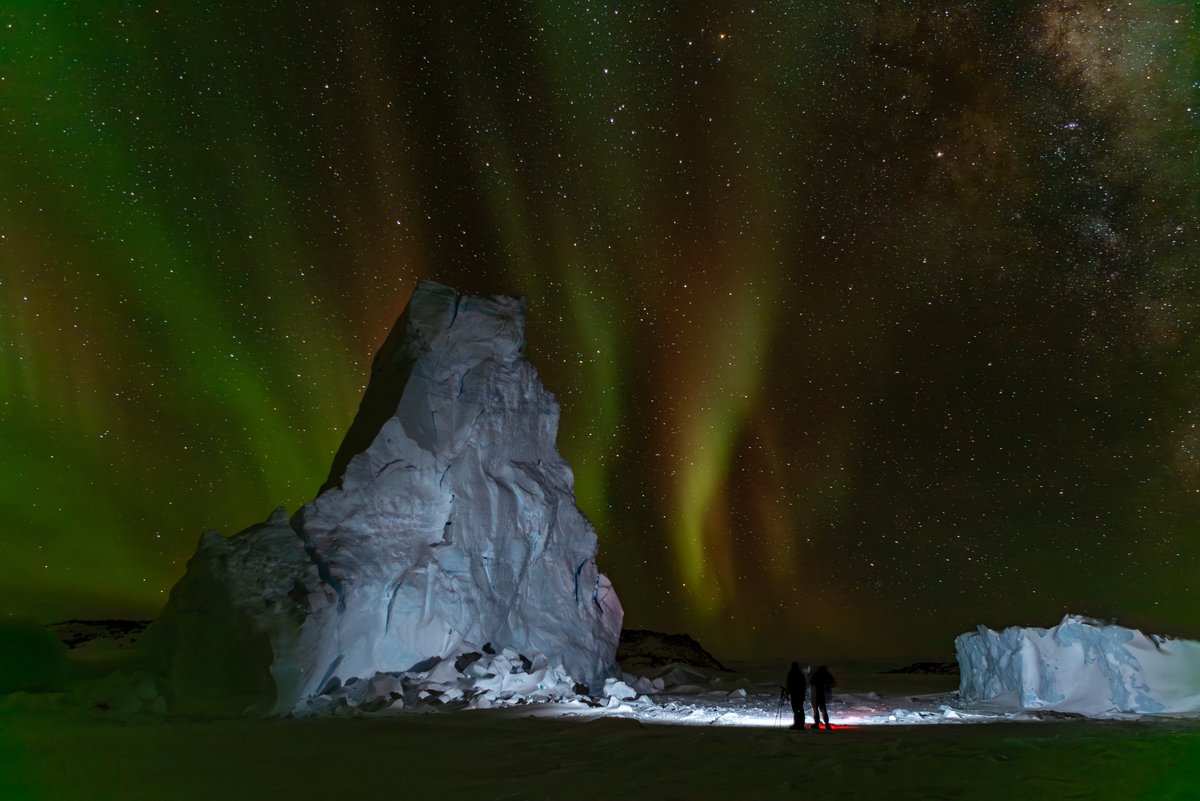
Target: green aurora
<point x="870" y="321"/>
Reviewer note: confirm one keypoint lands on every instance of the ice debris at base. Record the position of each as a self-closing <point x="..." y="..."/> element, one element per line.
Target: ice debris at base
<point x="484" y="681"/>
<point x="479" y="681"/>
<point x="615" y="688"/>
<point x="448" y="521"/>
<point x="1081" y="666"/>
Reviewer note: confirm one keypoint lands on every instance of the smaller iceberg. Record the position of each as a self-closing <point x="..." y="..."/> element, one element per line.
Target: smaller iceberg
<point x="1083" y="666"/>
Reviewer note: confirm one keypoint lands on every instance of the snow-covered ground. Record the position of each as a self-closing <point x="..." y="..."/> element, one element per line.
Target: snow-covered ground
<point x="871" y="698"/>
<point x="897" y="737"/>
<point x="748" y="695"/>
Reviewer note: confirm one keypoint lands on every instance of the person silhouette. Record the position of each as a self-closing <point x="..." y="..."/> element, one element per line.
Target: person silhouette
<point x="795" y="690"/>
<point x="822" y="682"/>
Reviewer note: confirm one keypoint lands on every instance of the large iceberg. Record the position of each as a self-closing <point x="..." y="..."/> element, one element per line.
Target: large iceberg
<point x="1082" y="666"/>
<point x="447" y="526"/>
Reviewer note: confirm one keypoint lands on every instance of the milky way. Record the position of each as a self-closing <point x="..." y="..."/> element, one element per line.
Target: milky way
<point x="870" y="322"/>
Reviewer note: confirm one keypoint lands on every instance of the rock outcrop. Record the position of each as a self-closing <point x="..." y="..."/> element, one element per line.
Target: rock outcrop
<point x="641" y="648"/>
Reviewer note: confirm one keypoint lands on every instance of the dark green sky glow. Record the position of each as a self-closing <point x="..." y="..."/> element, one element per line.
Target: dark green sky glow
<point x="870" y="321"/>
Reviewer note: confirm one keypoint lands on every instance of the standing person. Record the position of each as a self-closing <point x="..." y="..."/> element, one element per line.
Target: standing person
<point x="795" y="690"/>
<point x="822" y="687"/>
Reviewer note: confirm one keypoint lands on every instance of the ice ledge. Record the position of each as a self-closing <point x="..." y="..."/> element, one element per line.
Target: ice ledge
<point x="1083" y="666"/>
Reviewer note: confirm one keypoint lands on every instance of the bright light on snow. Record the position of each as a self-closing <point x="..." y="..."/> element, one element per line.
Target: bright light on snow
<point x="758" y="711"/>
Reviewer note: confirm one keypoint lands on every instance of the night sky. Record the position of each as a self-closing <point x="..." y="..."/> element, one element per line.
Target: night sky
<point x="871" y="321"/>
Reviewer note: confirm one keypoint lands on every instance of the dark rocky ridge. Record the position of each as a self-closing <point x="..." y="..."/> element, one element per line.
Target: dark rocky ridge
<point x="928" y="669"/>
<point x="75" y="633"/>
<point x="653" y="649"/>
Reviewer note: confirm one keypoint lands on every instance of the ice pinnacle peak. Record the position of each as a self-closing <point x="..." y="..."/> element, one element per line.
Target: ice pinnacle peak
<point x="428" y="318"/>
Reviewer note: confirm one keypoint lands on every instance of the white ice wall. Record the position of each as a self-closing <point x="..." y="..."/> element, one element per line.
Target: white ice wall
<point x="1082" y="666"/>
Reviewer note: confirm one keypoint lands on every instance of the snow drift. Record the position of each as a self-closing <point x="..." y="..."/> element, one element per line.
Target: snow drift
<point x="447" y="526"/>
<point x="1082" y="666"/>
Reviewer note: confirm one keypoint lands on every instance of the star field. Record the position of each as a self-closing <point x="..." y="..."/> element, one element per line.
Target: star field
<point x="870" y="322"/>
